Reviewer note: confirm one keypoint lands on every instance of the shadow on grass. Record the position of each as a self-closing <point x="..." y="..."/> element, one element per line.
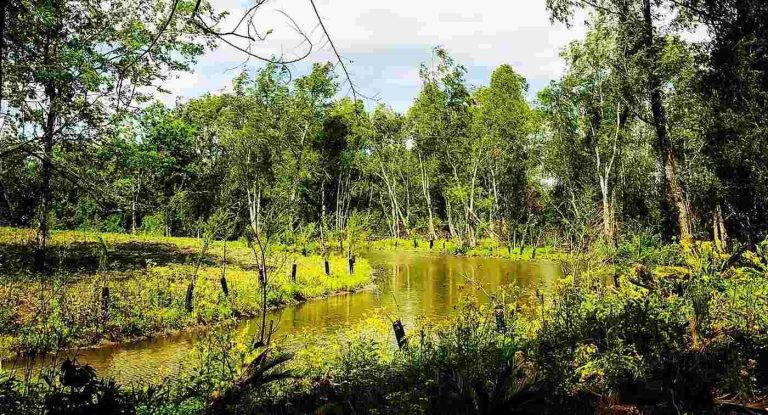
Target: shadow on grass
<point x="83" y="257"/>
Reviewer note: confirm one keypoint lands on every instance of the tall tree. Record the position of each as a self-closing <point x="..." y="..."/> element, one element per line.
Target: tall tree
<point x="588" y="117"/>
<point x="734" y="84"/>
<point x="391" y="162"/>
<point x="441" y="120"/>
<point x="640" y="35"/>
<point x="502" y="123"/>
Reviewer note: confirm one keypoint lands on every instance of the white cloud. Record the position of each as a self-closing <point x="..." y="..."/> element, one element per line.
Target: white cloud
<point x="402" y="76"/>
<point x="177" y="85"/>
<point x="482" y="33"/>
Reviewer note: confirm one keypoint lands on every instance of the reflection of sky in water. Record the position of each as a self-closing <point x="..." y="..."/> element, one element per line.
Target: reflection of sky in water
<point x="410" y="286"/>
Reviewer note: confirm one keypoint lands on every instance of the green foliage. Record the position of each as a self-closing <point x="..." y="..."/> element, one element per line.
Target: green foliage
<point x="113" y="224"/>
<point x="153" y="225"/>
<point x="147" y="297"/>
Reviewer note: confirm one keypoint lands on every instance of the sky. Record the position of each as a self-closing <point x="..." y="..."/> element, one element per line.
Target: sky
<point x="385" y="42"/>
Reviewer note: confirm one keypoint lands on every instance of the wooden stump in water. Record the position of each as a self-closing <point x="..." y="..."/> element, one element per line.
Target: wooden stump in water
<point x="396" y="243"/>
<point x="501" y="323"/>
<point x="327" y="268"/>
<point x="224" y="286"/>
<point x="188" y="300"/>
<point x="415" y="243"/>
<point x="399" y="330"/>
<point x="293" y="272"/>
<point x="431" y="243"/>
<point x="351" y="262"/>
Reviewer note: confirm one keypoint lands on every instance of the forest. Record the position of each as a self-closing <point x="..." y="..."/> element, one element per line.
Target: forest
<point x="641" y="173"/>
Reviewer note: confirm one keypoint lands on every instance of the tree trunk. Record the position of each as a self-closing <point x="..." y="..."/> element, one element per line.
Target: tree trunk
<point x="719" y="234"/>
<point x="494" y="205"/>
<point x="723" y="232"/>
<point x="427" y="197"/>
<point x="136" y="191"/>
<point x="45" y="185"/>
<point x="470" y="213"/>
<point x="607" y="216"/>
<point x="397" y="214"/>
<point x="2" y="50"/>
<point x="451" y="228"/>
<point x="298" y="159"/>
<point x="675" y="188"/>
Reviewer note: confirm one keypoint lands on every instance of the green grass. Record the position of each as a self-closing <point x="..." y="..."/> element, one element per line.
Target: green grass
<point x="490" y="248"/>
<point x="147" y="279"/>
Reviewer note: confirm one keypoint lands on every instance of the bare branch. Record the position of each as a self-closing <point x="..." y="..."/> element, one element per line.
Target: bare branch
<point x="335" y="51"/>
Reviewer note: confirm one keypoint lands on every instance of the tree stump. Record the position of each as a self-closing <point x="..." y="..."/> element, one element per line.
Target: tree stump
<point x="188" y="300"/>
<point x="351" y="261"/>
<point x="224" y="286"/>
<point x="399" y="330"/>
<point x="501" y="323"/>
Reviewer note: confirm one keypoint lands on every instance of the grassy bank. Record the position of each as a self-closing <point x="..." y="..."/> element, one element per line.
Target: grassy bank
<point x="490" y="248"/>
<point x="147" y="279"/>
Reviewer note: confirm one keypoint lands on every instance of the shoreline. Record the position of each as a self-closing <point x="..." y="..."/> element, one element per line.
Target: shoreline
<point x="20" y="361"/>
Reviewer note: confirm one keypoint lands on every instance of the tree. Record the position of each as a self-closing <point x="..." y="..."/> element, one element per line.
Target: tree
<point x="588" y="118"/>
<point x="640" y="37"/>
<point x="502" y="123"/>
<point x="439" y="122"/>
<point x="389" y="162"/>
<point x="75" y="69"/>
<point x="157" y="158"/>
<point x="733" y="82"/>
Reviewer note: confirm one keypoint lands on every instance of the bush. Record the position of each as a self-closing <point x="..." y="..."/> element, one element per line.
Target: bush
<point x="153" y="225"/>
<point x="113" y="223"/>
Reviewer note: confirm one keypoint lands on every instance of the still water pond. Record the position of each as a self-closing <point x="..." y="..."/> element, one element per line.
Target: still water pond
<point x="408" y="285"/>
